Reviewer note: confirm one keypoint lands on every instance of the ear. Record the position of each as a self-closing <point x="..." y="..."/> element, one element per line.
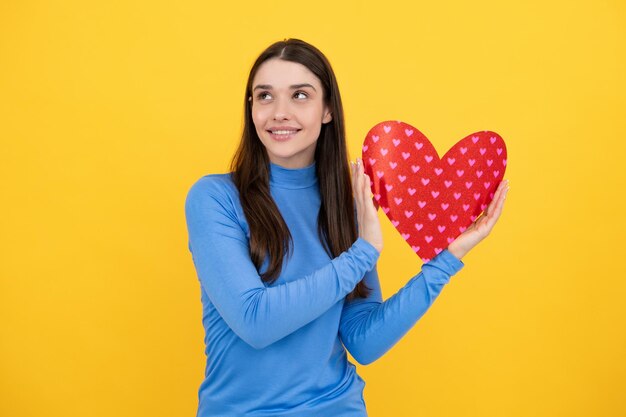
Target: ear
<point x="327" y="115"/>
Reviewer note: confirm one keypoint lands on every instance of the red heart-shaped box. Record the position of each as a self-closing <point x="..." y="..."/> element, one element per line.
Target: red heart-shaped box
<point x="431" y="200"/>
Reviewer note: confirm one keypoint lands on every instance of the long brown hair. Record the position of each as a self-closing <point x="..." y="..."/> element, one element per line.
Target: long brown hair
<point x="269" y="235"/>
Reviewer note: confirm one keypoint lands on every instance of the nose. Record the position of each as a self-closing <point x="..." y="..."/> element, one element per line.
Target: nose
<point x="281" y="110"/>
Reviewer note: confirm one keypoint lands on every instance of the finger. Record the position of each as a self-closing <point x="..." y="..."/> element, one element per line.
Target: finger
<point x="353" y="174"/>
<point x="496" y="196"/>
<point x="351" y="168"/>
<point x="359" y="176"/>
<point x="364" y="187"/>
<point x="497" y="211"/>
<point x="486" y="218"/>
<point x="503" y="189"/>
<point x="366" y="183"/>
<point x="358" y="189"/>
<point x="367" y="192"/>
<point x="500" y="203"/>
<point x="355" y="182"/>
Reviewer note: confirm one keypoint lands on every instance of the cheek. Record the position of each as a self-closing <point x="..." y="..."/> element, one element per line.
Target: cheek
<point x="259" y="116"/>
<point x="315" y="118"/>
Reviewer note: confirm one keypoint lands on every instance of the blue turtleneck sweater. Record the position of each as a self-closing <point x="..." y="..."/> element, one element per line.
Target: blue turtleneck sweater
<point x="280" y="349"/>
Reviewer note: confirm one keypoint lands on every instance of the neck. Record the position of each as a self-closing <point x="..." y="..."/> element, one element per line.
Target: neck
<point x="283" y="177"/>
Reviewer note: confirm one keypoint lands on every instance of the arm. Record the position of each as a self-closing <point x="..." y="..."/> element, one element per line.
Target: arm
<point x="258" y="314"/>
<point x="370" y="327"/>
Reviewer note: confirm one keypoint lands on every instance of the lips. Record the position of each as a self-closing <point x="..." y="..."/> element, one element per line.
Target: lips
<point x="283" y="133"/>
<point x="275" y="129"/>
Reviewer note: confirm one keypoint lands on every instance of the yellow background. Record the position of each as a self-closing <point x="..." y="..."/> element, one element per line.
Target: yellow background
<point x="110" y="110"/>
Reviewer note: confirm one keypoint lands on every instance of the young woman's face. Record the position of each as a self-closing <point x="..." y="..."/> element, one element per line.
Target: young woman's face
<point x="288" y="111"/>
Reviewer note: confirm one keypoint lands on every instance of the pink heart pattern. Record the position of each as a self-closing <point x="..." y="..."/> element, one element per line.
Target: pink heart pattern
<point x="431" y="200"/>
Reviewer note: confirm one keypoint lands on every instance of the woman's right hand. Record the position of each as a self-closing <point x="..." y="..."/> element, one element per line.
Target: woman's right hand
<point x="367" y="216"/>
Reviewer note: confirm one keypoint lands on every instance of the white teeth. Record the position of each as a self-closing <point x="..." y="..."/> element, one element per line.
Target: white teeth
<point x="283" y="132"/>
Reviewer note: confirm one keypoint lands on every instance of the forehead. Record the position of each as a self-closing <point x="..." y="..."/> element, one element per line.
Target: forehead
<point x="279" y="73"/>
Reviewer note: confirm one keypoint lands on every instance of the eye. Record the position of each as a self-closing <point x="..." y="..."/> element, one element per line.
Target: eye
<point x="264" y="95"/>
<point x="300" y="95"/>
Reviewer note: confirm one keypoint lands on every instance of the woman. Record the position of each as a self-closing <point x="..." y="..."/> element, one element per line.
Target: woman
<point x="285" y="247"/>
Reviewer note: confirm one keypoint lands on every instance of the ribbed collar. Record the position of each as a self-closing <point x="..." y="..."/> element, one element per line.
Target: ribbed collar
<point x="293" y="177"/>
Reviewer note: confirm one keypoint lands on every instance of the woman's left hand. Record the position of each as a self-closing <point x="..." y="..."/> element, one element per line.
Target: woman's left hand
<point x="481" y="228"/>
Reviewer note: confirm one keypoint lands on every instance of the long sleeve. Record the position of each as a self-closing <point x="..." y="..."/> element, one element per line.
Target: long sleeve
<point x="370" y="327"/>
<point x="260" y="314"/>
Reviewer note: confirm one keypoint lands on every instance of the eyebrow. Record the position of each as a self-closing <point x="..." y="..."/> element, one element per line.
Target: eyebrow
<point x="293" y="87"/>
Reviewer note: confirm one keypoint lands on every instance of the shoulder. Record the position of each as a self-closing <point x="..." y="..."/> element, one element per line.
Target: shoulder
<point x="212" y="207"/>
<point x="213" y="191"/>
<point x="214" y="184"/>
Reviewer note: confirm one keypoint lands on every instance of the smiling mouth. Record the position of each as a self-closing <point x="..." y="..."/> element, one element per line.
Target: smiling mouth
<point x="281" y="134"/>
<point x="284" y="131"/>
